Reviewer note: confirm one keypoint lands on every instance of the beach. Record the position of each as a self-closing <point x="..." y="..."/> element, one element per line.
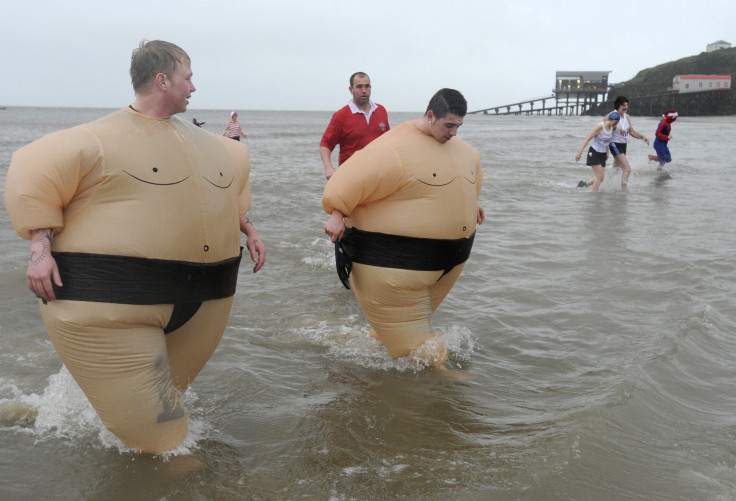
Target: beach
<point x="593" y="332"/>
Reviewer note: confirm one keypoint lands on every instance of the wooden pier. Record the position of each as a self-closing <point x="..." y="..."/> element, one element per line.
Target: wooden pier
<point x="575" y="93"/>
<point x="536" y="106"/>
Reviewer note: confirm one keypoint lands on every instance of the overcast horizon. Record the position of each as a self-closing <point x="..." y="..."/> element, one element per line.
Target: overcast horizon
<point x="295" y="56"/>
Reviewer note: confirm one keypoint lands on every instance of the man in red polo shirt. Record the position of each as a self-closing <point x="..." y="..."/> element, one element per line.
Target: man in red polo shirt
<point x="353" y="126"/>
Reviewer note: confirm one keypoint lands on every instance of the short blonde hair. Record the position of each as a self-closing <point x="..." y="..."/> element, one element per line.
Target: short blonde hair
<point x="154" y="57"/>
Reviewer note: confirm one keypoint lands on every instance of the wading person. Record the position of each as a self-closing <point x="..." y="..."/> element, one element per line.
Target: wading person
<point x="661" y="142"/>
<point x="620" y="139"/>
<point x="135" y="223"/>
<point x="233" y="130"/>
<point x="602" y="135"/>
<point x="354" y="125"/>
<point x="405" y="209"/>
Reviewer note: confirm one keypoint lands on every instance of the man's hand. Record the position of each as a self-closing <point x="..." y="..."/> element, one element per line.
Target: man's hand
<point x="257" y="251"/>
<point x="42" y="269"/>
<point x="326" y="155"/>
<point x="335" y="226"/>
<point x="481" y="214"/>
<point x="329" y="171"/>
<point x="254" y="244"/>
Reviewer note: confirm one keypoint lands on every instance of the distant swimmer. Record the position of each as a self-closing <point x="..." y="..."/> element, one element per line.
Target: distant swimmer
<point x="198" y="124"/>
<point x="621" y="134"/>
<point x="602" y="136"/>
<point x="233" y="130"/>
<point x="353" y="126"/>
<point x="405" y="209"/>
<point x="664" y="135"/>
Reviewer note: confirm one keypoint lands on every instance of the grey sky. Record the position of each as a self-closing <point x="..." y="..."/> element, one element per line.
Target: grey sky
<point x="298" y="55"/>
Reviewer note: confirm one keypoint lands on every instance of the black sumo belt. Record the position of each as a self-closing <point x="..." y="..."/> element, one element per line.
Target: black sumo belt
<point x="106" y="278"/>
<point x="399" y="251"/>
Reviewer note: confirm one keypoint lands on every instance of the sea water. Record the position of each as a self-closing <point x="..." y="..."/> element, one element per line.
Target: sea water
<point x="591" y="335"/>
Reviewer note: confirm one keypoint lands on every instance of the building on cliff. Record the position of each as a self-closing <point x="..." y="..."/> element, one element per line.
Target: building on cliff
<point x="700" y="83"/>
<point x="720" y="44"/>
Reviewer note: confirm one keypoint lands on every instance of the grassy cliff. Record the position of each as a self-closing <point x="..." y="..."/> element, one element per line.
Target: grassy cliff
<point x="658" y="80"/>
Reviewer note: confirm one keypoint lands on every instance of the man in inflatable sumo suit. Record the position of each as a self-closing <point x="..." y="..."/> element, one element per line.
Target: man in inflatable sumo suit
<point x="405" y="208"/>
<point x="135" y="222"/>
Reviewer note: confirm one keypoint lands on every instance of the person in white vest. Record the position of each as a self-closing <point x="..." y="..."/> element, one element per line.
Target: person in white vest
<point x="602" y="136"/>
<point x="621" y="134"/>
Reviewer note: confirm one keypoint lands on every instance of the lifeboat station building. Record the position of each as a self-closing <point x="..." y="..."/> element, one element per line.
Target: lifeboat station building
<point x="581" y="90"/>
<point x="700" y="83"/>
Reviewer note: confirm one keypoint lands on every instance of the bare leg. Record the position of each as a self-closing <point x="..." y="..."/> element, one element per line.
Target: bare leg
<point x="623" y="162"/>
<point x="600" y="173"/>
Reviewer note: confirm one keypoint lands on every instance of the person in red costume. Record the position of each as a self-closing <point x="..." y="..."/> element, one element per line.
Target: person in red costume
<point x="354" y="125"/>
<point x="664" y="134"/>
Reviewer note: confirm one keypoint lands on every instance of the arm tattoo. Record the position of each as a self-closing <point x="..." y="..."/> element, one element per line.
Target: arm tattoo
<point x="38" y="254"/>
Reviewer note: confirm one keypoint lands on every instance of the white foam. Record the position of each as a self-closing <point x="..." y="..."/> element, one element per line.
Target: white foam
<point x="64" y="413"/>
<point x="355" y="344"/>
<point x="321" y="254"/>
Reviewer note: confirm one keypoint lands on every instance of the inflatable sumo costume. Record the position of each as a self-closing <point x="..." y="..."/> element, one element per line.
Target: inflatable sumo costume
<point x="145" y="213"/>
<point x="411" y="205"/>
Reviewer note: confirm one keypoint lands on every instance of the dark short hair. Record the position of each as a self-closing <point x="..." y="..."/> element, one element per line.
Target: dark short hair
<point x="357" y="74"/>
<point x="448" y="101"/>
<point x="151" y="58"/>
<point x="619" y="101"/>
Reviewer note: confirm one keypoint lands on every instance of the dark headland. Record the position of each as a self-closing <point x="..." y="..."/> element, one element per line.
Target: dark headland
<point x="650" y="91"/>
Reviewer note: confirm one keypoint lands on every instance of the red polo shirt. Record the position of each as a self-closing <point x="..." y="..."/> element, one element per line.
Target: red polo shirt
<point x="352" y="131"/>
